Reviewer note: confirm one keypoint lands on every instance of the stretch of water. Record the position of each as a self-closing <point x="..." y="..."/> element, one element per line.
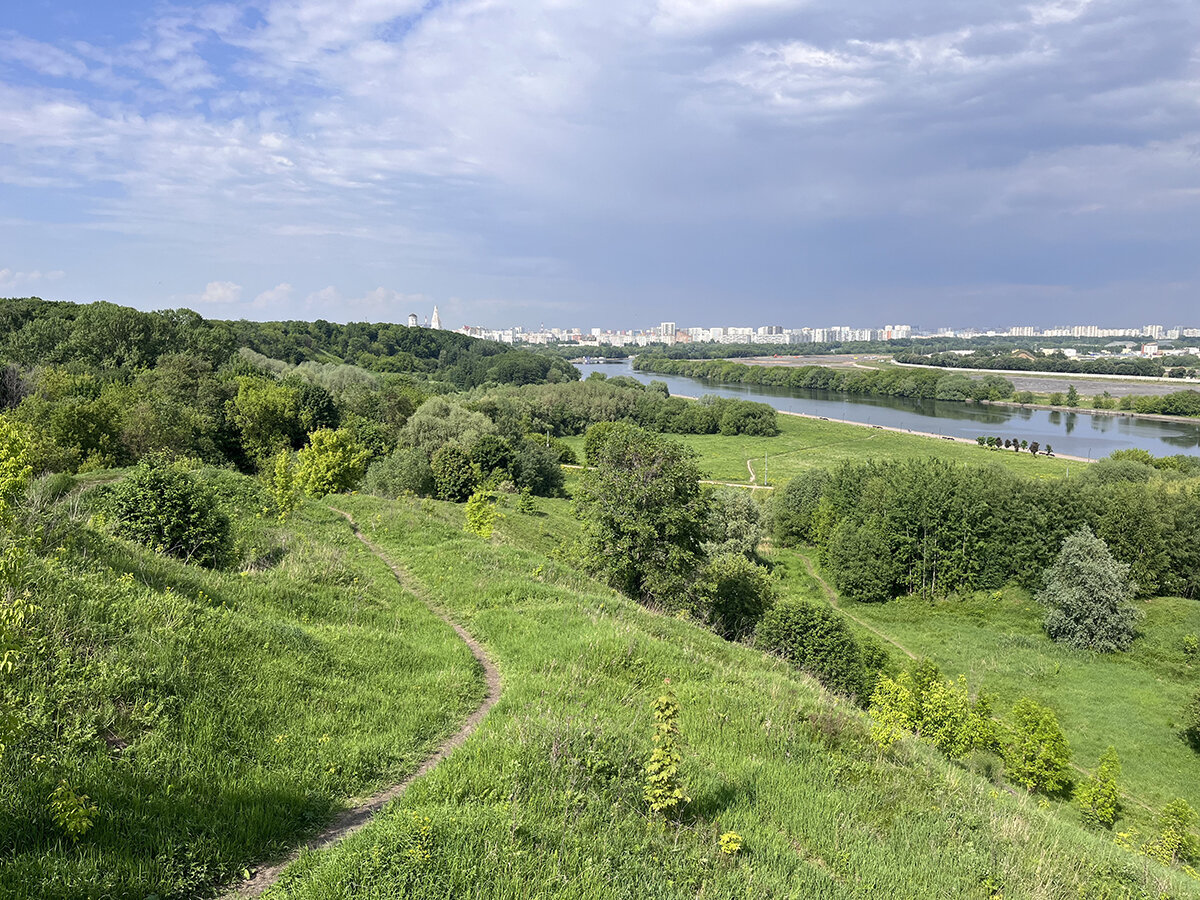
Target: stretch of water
<point x="1076" y="434"/>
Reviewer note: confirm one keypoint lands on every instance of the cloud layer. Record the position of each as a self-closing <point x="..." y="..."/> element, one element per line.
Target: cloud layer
<point x="702" y="160"/>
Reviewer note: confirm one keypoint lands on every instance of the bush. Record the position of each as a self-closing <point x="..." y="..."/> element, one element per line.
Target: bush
<point x="536" y="467"/>
<point x="662" y="787"/>
<point x="941" y="712"/>
<point x="405" y="471"/>
<point x="166" y="509"/>
<point x="1099" y="798"/>
<point x="816" y="639"/>
<point x="566" y="455"/>
<point x="480" y="515"/>
<point x="862" y="563"/>
<point x="453" y="475"/>
<point x="1036" y="753"/>
<point x="1089" y="596"/>
<point x="733" y="522"/>
<point x="15" y="465"/>
<point x="594" y="438"/>
<point x="492" y="453"/>
<point x="1175" y="842"/>
<point x="1191" y="722"/>
<point x="734" y="593"/>
<point x="332" y="463"/>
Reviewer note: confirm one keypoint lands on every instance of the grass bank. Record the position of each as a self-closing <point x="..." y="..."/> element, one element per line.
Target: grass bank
<point x="545" y="800"/>
<point x="212" y="718"/>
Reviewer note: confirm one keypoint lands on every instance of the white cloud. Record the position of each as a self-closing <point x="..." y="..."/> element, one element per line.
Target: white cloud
<point x="221" y="292"/>
<point x="280" y="294"/>
<point x="11" y="279"/>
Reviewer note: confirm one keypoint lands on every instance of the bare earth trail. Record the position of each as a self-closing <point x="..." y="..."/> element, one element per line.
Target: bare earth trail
<point x="354" y="818"/>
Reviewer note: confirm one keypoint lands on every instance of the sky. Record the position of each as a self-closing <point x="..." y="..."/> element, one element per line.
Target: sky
<point x="607" y="163"/>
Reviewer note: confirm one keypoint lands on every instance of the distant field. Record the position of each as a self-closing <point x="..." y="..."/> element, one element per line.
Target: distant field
<point x="1129" y="700"/>
<point x="812" y="443"/>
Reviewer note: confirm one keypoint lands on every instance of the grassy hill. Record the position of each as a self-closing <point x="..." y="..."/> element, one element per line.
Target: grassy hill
<point x="211" y="718"/>
<point x="545" y="800"/>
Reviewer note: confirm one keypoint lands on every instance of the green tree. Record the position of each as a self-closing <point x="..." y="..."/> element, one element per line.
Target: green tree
<point x="15" y="466"/>
<point x="1191" y="722"/>
<point x="1088" y="596"/>
<point x="481" y="514"/>
<point x="1036" y="753"/>
<point x="864" y="567"/>
<point x="405" y="471"/>
<point x="1072" y="396"/>
<point x="663" y="787"/>
<point x="733" y="522"/>
<point x="643" y="515"/>
<point x="1175" y="842"/>
<point x="593" y="439"/>
<point x="1098" y="797"/>
<point x="794" y="507"/>
<point x="332" y="463"/>
<point x="453" y="475"/>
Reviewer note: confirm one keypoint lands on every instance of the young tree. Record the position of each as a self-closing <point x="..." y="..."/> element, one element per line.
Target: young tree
<point x="643" y="515"/>
<point x="1072" y="396"/>
<point x="817" y="640"/>
<point x="332" y="463"/>
<point x="453" y="473"/>
<point x="1088" y="596"/>
<point x="1099" y="798"/>
<point x="1036" y="754"/>
<point x="1191" y="722"/>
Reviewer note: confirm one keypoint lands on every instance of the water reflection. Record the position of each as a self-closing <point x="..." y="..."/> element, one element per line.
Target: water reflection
<point x="1077" y="434"/>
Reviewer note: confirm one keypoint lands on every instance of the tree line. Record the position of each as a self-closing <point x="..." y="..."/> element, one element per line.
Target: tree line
<point x="1178" y="366"/>
<point x="880" y="382"/>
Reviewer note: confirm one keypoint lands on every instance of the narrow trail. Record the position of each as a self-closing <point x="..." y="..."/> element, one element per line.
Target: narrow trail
<point x="753" y="477"/>
<point x="831" y="596"/>
<point x="354" y="818"/>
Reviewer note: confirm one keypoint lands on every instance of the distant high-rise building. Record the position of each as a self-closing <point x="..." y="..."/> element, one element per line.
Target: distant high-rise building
<point x="436" y="321"/>
<point x="666" y="331"/>
<point x="412" y="320"/>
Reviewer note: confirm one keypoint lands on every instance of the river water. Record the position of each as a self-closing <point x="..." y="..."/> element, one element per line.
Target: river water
<point x="1076" y="434"/>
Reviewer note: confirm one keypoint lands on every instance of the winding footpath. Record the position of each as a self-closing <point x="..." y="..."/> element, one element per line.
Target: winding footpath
<point x="354" y="818"/>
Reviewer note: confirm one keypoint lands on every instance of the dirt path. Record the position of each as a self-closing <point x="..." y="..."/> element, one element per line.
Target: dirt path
<point x="753" y="477"/>
<point x="831" y="596"/>
<point x="351" y="820"/>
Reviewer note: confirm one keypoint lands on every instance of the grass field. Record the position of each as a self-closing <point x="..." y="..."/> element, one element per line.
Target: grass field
<point x="214" y="718"/>
<point x="545" y="799"/>
<point x="813" y="443"/>
<point x="1131" y="701"/>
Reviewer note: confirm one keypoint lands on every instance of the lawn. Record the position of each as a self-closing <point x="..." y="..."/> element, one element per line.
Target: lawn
<point x="545" y="799"/>
<point x="1131" y="701"/>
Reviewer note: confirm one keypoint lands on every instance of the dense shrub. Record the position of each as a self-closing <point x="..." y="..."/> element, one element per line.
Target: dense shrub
<point x="167" y="509"/>
<point x="1191" y="722"/>
<point x="594" y="439"/>
<point x="942" y="712"/>
<point x="453" y="475"/>
<point x="1036" y="753"/>
<point x="405" y="471"/>
<point x="492" y="454"/>
<point x="734" y="522"/>
<point x="1088" y="597"/>
<point x="536" y="467"/>
<point x="816" y="639"/>
<point x="733" y="594"/>
<point x="332" y="463"/>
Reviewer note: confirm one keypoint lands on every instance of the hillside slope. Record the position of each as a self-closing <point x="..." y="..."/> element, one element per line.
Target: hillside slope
<point x="546" y="798"/>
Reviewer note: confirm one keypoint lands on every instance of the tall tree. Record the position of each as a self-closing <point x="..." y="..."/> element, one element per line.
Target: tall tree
<point x="1088" y="596"/>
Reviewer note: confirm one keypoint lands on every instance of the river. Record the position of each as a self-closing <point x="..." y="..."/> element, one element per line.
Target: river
<point x="1081" y="434"/>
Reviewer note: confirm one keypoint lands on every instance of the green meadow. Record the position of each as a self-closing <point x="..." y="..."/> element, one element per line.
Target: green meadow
<point x="815" y="443"/>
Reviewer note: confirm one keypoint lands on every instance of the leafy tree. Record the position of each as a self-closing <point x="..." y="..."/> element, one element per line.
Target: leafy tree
<point x="168" y="510"/>
<point x="817" y="640"/>
<point x="332" y="463"/>
<point x="733" y="522"/>
<point x="1036" y="753"/>
<point x="643" y="515"/>
<point x="1175" y="843"/>
<point x="1088" y="596"/>
<point x="1072" y="396"/>
<point x="439" y="421"/>
<point x="536" y="466"/>
<point x="863" y="565"/>
<point x="734" y="593"/>
<point x="1099" y="798"/>
<point x="492" y="454"/>
<point x="939" y="711"/>
<point x="15" y="466"/>
<point x="595" y="436"/>
<point x="794" y="507"/>
<point x="405" y="471"/>
<point x="285" y="489"/>
<point x="453" y="475"/>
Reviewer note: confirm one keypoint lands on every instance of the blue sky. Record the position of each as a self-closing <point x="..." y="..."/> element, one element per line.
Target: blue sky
<point x="938" y="162"/>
